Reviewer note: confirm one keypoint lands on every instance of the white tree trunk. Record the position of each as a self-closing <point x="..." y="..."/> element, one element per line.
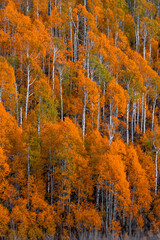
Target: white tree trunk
<point x="98" y="113"/>
<point x="61" y="96"/>
<point x="84" y="114"/>
<point x="142" y="114"/>
<point x="156" y="172"/>
<point x="27" y="95"/>
<point x="153" y="112"/>
<point x="53" y="70"/>
<point x="21" y="117"/>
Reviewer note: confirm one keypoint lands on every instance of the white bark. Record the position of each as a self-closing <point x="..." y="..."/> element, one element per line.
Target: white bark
<point x="156" y="171"/>
<point x="17" y="114"/>
<point x="37" y="10"/>
<point x="39" y="118"/>
<point x="98" y="113"/>
<point x="61" y="95"/>
<point x="21" y="118"/>
<point x="27" y="94"/>
<point x="53" y="70"/>
<point x="97" y="196"/>
<point x="84" y="114"/>
<point x="153" y="112"/>
<point x="142" y="113"/>
<point x="137" y="35"/>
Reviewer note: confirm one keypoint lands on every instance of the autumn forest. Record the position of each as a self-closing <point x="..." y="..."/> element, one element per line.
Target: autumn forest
<point x="79" y="119"/>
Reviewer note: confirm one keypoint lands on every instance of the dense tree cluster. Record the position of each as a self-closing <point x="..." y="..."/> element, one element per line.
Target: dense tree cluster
<point x="79" y="118"/>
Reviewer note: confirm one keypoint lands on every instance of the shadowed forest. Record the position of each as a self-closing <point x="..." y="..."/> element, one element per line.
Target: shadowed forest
<point x="79" y="119"/>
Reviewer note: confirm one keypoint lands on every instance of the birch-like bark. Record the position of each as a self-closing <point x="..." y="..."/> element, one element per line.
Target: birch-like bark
<point x="97" y="196"/>
<point x="27" y="7"/>
<point x="132" y="124"/>
<point x="39" y="118"/>
<point x="110" y="203"/>
<point x="144" y="47"/>
<point x="84" y="114"/>
<point x="142" y="114"/>
<point x="28" y="84"/>
<point x="53" y="69"/>
<point x="156" y="171"/>
<point x="98" y="113"/>
<point x="17" y="112"/>
<point x="138" y="113"/>
<point x="71" y="35"/>
<point x="27" y="95"/>
<point x="135" y="112"/>
<point x="37" y="10"/>
<point x="61" y="95"/>
<point x="150" y="49"/>
<point x="110" y="117"/>
<point x="137" y="35"/>
<point x="153" y="113"/>
<point x="21" y="117"/>
<point x="107" y="207"/>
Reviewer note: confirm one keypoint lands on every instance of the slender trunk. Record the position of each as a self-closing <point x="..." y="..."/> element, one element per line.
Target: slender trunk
<point x="43" y="65"/>
<point x="144" y="48"/>
<point x="61" y="96"/>
<point x="115" y="206"/>
<point x="49" y="69"/>
<point x="53" y="70"/>
<point x="132" y="123"/>
<point x="71" y="35"/>
<point x="39" y="118"/>
<point x="107" y="207"/>
<point x="27" y="7"/>
<point x="110" y="107"/>
<point x="137" y="35"/>
<point x="27" y="95"/>
<point x="76" y="41"/>
<point x="153" y="112"/>
<point x="150" y="49"/>
<point x="110" y="204"/>
<point x="138" y="113"/>
<point x="84" y="114"/>
<point x="156" y="172"/>
<point x="134" y="116"/>
<point x="21" y="118"/>
<point x="51" y="175"/>
<point x="102" y="202"/>
<point x="142" y="114"/>
<point x="17" y="113"/>
<point x="97" y="196"/>
<point x="37" y="10"/>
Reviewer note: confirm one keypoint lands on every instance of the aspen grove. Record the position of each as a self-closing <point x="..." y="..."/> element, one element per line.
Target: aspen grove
<point x="79" y="119"/>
